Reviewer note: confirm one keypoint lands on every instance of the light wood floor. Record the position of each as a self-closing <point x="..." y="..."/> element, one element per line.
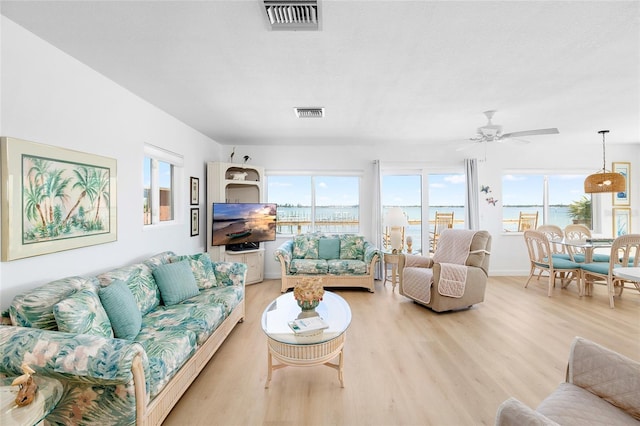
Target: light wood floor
<point x="406" y="365"/>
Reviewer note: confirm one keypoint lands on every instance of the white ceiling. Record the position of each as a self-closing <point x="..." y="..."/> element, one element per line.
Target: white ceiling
<point x="406" y="72"/>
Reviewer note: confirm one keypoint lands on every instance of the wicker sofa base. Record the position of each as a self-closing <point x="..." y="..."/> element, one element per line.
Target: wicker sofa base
<point x="330" y="281"/>
<point x="160" y="407"/>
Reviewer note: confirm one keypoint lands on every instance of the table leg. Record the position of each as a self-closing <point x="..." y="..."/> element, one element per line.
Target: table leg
<point x="269" y="368"/>
<point x="340" y="369"/>
<point x="394" y="276"/>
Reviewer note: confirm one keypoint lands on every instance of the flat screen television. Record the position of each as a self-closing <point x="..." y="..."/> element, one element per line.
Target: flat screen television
<point x="241" y="226"/>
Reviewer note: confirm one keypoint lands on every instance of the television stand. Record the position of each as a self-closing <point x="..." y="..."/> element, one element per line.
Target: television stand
<point x="253" y="258"/>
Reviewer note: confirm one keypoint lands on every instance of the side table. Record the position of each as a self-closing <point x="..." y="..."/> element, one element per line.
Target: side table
<point x="391" y="259"/>
<point x="47" y="397"/>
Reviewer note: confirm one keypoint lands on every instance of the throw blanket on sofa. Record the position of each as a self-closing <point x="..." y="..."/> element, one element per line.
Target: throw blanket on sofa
<point x="453" y="251"/>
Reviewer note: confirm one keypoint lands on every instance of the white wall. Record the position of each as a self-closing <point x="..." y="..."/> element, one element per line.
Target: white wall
<point x="509" y="255"/>
<point x="50" y="98"/>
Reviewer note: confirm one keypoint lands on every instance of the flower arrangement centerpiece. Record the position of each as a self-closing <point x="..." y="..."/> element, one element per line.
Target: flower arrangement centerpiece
<point x="308" y="293"/>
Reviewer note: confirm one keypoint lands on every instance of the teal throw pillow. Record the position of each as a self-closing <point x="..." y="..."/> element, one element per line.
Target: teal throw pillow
<point x="329" y="248"/>
<point x="176" y="282"/>
<point x="82" y="313"/>
<point x="122" y="309"/>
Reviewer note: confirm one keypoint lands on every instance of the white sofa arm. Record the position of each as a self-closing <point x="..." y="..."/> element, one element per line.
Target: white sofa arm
<point x="605" y="373"/>
<point x="512" y="412"/>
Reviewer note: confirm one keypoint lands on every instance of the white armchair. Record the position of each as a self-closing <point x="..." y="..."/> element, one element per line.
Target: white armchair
<point x="419" y="275"/>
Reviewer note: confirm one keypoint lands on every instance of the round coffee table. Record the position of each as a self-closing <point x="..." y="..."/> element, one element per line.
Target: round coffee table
<point x="292" y="349"/>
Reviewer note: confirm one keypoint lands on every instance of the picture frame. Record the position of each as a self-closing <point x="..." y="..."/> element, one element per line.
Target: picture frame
<point x="45" y="206"/>
<point x="195" y="221"/>
<point x="621" y="221"/>
<point x="622" y="198"/>
<point x="195" y="190"/>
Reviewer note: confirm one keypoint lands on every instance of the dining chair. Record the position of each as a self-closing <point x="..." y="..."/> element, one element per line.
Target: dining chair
<point x="578" y="231"/>
<point x="527" y="221"/>
<point x="541" y="259"/>
<point x="625" y="251"/>
<point x="443" y="220"/>
<point x="554" y="232"/>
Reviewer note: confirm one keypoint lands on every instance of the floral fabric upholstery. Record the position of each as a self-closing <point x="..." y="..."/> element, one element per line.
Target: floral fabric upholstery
<point x="95" y="372"/>
<point x="351" y="247"/>
<point x="346" y="267"/>
<point x="139" y="279"/>
<point x="301" y="255"/>
<point x="309" y="266"/>
<point x="167" y="351"/>
<point x="34" y="308"/>
<point x="228" y="297"/>
<point x="82" y="312"/>
<point x="229" y="273"/>
<point x="305" y="246"/>
<point x="201" y="267"/>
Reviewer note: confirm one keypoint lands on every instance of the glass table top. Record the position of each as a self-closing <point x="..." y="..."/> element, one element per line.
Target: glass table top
<point x="47" y="397"/>
<point x="333" y="309"/>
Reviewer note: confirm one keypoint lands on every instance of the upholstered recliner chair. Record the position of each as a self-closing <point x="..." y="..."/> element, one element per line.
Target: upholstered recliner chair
<point x="455" y="277"/>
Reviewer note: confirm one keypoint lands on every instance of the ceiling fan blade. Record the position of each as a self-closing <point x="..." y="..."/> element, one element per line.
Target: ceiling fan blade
<point x="514" y="141"/>
<point x="551" y="131"/>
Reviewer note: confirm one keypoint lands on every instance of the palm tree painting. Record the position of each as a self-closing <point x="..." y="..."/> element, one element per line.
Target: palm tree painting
<point x="63" y="200"/>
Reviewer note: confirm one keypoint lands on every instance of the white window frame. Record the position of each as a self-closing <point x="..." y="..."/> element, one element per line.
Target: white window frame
<point x="157" y="154"/>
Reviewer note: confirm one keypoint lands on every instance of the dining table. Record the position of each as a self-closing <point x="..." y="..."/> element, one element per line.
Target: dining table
<point x="588" y="245"/>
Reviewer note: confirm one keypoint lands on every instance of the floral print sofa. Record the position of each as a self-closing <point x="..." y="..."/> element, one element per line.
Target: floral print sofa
<point x="343" y="260"/>
<point x="125" y="344"/>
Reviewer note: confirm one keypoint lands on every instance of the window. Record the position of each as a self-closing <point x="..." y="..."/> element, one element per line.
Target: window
<point x="405" y="191"/>
<point x="553" y="196"/>
<point x="309" y="203"/>
<point x="446" y="193"/>
<point x="160" y="170"/>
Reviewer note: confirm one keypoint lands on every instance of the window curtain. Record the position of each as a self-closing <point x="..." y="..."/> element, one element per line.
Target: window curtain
<point x="472" y="215"/>
<point x="377" y="214"/>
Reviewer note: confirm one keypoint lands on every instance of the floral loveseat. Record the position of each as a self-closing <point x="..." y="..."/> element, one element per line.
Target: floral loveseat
<point x="343" y="260"/>
<point x="127" y="343"/>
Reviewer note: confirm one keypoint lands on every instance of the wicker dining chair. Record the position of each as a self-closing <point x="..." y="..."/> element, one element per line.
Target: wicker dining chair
<point x="541" y="259"/>
<point x="625" y="251"/>
<point x="578" y="231"/>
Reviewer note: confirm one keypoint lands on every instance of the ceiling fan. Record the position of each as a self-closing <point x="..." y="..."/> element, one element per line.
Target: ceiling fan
<point x="493" y="133"/>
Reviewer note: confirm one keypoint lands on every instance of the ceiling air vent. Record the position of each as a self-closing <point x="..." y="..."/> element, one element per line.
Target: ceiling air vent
<point x="309" y="112"/>
<point x="292" y="15"/>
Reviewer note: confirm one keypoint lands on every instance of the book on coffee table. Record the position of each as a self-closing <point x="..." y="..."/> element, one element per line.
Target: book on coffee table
<point x="308" y="325"/>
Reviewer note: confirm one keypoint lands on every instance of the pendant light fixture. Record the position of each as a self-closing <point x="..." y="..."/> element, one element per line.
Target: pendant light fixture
<point x="604" y="181"/>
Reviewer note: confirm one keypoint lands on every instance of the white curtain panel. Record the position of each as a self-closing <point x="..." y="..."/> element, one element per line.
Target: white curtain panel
<point x="376" y="219"/>
<point x="472" y="215"/>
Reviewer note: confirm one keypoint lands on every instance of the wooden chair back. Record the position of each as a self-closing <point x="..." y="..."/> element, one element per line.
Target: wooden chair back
<point x="443" y="220"/>
<point x="553" y="232"/>
<point x="527" y="221"/>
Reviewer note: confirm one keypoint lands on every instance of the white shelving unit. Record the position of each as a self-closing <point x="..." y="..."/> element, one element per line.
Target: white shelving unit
<point x="235" y="183"/>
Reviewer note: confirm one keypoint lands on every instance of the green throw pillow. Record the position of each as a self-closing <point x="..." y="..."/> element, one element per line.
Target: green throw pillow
<point x="329" y="248"/>
<point x="176" y="282"/>
<point x="82" y="313"/>
<point x="122" y="309"/>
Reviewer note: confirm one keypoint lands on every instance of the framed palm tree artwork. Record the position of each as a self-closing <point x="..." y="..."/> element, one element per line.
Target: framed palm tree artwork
<point x="55" y="199"/>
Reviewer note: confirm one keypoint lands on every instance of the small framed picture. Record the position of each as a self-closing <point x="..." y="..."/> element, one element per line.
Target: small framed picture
<point x="195" y="221"/>
<point x="195" y="191"/>
<point x="621" y="221"/>
<point x="622" y="198"/>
